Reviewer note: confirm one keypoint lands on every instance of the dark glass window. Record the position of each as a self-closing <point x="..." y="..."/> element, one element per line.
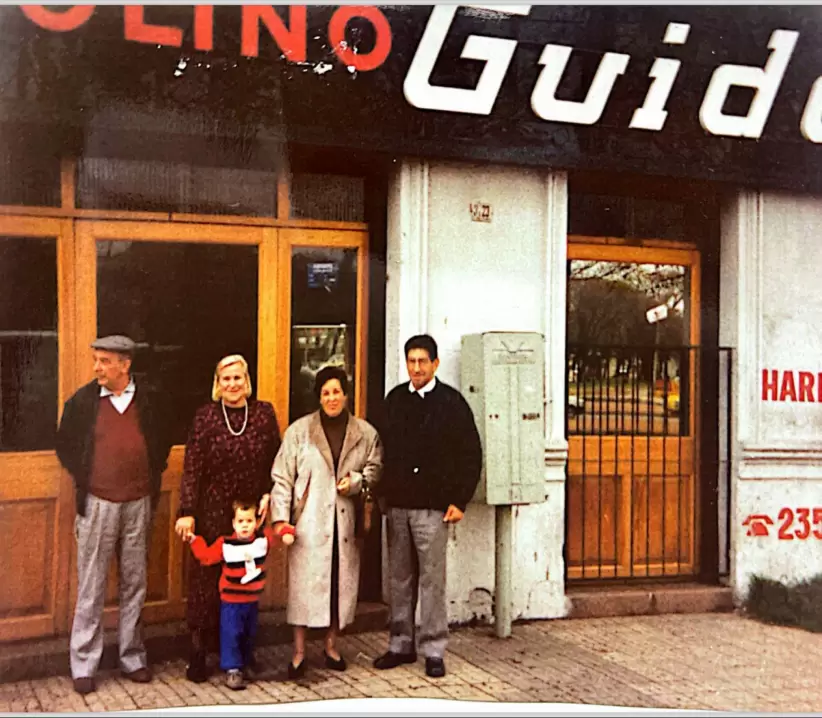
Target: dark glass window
<point x="596" y="215"/>
<point x="28" y="343"/>
<point x="331" y="197"/>
<point x="323" y="321"/>
<point x="28" y="176"/>
<point x="186" y="305"/>
<point x="148" y="185"/>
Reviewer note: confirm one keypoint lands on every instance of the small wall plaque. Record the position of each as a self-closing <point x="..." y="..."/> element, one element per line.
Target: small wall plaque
<point x="480" y="211"/>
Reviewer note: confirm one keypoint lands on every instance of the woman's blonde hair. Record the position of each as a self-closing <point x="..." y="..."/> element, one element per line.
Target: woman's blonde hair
<point x="216" y="392"/>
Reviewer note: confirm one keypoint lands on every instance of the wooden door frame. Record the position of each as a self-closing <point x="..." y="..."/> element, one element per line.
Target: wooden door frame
<point x="611" y="249"/>
<point x="38" y="473"/>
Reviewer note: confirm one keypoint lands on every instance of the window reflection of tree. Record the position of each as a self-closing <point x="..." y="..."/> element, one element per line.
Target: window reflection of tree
<point x="616" y="355"/>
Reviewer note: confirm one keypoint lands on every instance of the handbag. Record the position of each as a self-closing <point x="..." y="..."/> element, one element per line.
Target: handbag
<point x="364" y="506"/>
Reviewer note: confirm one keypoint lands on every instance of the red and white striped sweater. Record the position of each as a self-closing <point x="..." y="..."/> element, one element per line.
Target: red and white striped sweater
<point x="243" y="578"/>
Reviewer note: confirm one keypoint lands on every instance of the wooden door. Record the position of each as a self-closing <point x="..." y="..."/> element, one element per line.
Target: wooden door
<point x="168" y="556"/>
<point x="36" y="507"/>
<point x="633" y="370"/>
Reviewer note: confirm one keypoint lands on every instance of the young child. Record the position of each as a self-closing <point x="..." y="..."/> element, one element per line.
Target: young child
<point x="242" y="581"/>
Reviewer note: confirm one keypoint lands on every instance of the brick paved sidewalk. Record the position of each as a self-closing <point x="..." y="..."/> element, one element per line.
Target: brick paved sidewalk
<point x="696" y="661"/>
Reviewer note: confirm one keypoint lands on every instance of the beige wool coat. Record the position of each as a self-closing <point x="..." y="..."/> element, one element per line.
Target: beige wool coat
<point x="304" y="462"/>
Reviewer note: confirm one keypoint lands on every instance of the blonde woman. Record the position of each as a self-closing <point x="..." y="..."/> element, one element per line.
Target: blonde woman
<point x="228" y="457"/>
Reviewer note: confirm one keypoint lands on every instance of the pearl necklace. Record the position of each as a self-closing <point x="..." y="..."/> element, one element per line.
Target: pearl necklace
<point x="228" y="423"/>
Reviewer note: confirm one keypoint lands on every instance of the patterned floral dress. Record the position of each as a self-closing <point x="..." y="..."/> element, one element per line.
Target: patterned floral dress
<point x="218" y="469"/>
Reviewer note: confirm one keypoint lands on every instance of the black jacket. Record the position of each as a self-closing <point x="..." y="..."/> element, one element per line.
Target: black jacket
<point x="75" y="438"/>
<point x="432" y="451"/>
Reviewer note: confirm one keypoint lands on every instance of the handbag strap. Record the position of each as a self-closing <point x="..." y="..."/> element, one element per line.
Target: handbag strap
<point x="300" y="507"/>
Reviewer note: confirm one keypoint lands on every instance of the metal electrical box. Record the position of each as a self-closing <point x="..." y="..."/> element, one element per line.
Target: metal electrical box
<point x="503" y="382"/>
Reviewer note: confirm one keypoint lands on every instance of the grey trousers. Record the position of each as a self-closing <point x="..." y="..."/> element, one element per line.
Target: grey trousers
<point x="107" y="528"/>
<point x="417" y="544"/>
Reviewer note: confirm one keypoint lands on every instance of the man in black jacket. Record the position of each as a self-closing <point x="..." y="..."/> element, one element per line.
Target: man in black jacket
<point x="432" y="464"/>
<point x="112" y="442"/>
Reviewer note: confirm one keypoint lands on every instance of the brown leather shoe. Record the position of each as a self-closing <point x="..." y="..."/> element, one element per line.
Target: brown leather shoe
<point x="141" y="675"/>
<point x="84" y="686"/>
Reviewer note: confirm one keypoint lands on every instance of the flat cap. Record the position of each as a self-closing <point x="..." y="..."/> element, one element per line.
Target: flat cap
<point x="115" y="343"/>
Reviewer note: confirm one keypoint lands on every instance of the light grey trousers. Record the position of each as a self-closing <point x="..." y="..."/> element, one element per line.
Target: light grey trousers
<point x="107" y="528"/>
<point x="417" y="544"/>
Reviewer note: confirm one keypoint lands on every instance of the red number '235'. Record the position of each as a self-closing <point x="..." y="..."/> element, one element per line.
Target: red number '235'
<point x="803" y="531"/>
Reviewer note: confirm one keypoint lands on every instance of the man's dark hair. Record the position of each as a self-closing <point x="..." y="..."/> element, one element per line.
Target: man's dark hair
<point x="243" y="505"/>
<point x="328" y="373"/>
<point x="422" y="341"/>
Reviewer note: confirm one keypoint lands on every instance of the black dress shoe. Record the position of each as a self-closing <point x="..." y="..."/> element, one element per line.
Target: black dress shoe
<point x="392" y="660"/>
<point x="434" y="667"/>
<point x="197" y="672"/>
<point x="295" y="672"/>
<point x="85" y="685"/>
<point x="335" y="664"/>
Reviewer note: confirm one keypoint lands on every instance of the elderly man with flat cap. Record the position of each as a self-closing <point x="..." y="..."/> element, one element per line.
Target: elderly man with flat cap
<point x="113" y="443"/>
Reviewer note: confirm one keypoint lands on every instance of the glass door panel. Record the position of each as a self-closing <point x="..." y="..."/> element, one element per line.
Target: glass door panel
<point x="28" y="343"/>
<point x="323" y="321"/>
<point x="186" y="305"/>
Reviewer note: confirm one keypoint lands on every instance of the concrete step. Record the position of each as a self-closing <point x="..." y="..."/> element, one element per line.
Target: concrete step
<point x="648" y="599"/>
<point x="28" y="660"/>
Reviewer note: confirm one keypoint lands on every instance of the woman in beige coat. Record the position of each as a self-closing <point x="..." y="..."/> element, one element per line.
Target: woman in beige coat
<point x="322" y="463"/>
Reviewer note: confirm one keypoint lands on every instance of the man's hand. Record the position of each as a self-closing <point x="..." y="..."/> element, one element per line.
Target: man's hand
<point x="344" y="486"/>
<point x="185" y="527"/>
<point x="453" y="515"/>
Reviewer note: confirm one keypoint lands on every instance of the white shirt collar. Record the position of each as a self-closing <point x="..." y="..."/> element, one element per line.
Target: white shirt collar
<point x="422" y="391"/>
<point x="122" y="402"/>
<point x="105" y="391"/>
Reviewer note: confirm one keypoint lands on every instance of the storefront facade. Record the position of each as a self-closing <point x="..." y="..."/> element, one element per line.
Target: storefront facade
<point x="313" y="185"/>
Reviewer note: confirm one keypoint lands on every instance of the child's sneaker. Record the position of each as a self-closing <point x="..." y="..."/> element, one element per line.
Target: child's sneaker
<point x="234" y="680"/>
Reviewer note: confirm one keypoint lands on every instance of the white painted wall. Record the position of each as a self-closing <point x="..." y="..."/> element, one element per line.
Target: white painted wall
<point x="450" y="276"/>
<point x="771" y="311"/>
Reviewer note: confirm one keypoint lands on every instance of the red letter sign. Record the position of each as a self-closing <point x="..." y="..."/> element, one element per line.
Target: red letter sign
<point x="382" y="46"/>
<point x="769" y="386"/>
<point x="204" y="27"/>
<point x="58" y="20"/>
<point x="137" y="30"/>
<point x="292" y="42"/>
<point x="788" y="387"/>
<point x="805" y="386"/>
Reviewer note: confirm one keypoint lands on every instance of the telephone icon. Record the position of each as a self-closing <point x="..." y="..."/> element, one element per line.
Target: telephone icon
<point x="758" y="524"/>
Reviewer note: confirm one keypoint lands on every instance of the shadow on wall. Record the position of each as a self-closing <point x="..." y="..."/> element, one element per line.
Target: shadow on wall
<point x="798" y="604"/>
